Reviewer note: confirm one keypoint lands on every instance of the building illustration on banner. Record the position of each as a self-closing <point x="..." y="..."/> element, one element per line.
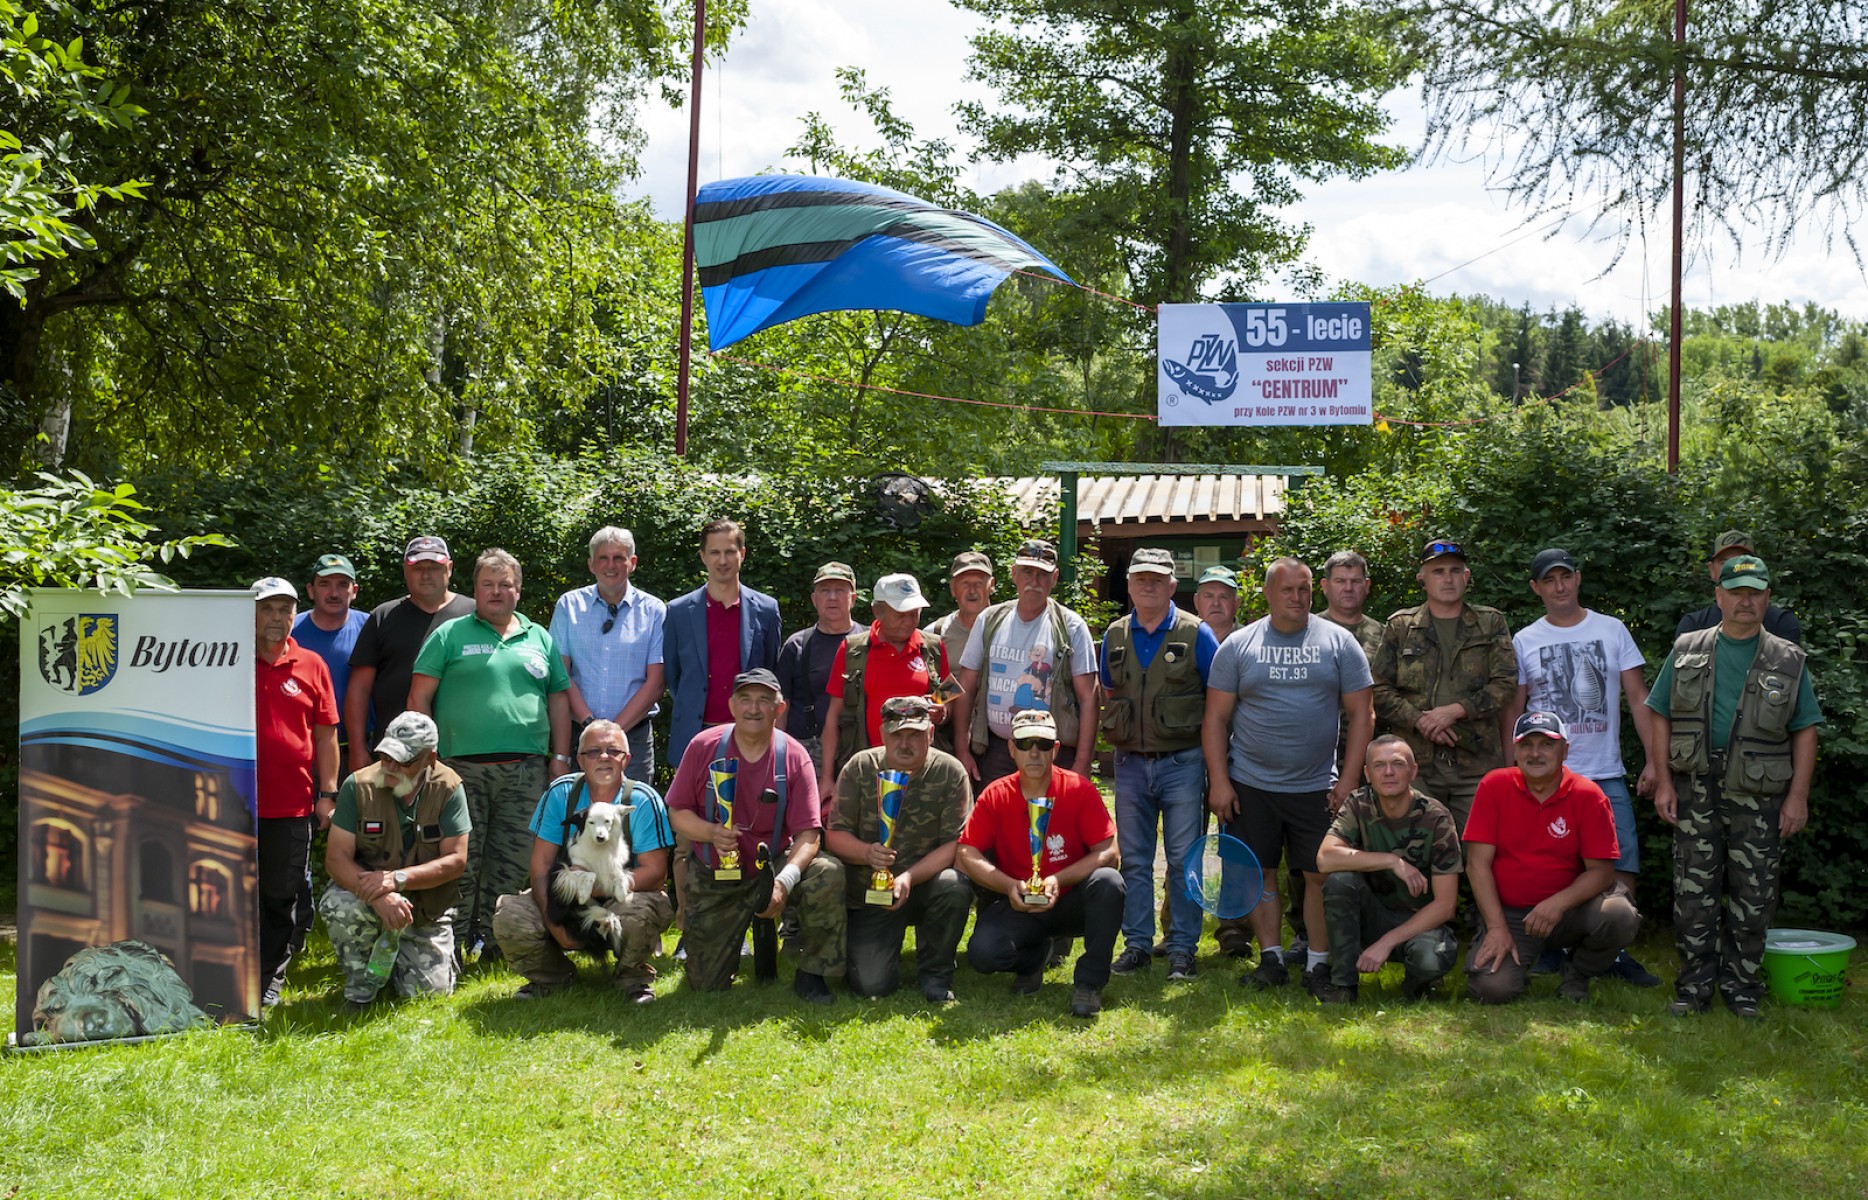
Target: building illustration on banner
<point x="136" y="791"/>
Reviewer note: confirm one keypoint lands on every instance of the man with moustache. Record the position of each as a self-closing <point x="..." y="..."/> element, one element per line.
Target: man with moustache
<point x="888" y="659"/>
<point x="969" y="582"/>
<point x="383" y="659"/>
<point x="397" y="848"/>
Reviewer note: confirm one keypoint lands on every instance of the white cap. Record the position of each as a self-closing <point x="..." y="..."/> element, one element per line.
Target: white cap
<point x="900" y="592"/>
<point x="272" y="585"/>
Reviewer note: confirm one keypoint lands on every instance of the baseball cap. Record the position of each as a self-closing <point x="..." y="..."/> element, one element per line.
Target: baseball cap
<point x="1033" y="722"/>
<point x="757" y="677"/>
<point x="1442" y="548"/>
<point x="1745" y="571"/>
<point x="969" y="560"/>
<point x="1549" y="560"/>
<point x="836" y="572"/>
<point x="1540" y="724"/>
<point x="426" y="549"/>
<point x="899" y="592"/>
<point x="1732" y="539"/>
<point x="1151" y="560"/>
<point x="272" y="585"/>
<point x="409" y="735"/>
<point x="1225" y="575"/>
<point x="332" y="564"/>
<point x="907" y="712"/>
<point x="1037" y="553"/>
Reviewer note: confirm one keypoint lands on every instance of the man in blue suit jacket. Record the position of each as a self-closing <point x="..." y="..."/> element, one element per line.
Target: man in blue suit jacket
<point x="712" y="634"/>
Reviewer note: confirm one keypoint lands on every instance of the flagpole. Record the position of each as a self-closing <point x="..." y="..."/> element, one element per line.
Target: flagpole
<point x="1679" y="249"/>
<point x="687" y="241"/>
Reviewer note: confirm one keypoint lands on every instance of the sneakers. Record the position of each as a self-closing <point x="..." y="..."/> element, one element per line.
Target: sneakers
<point x="1627" y="969"/>
<point x="1270" y="973"/>
<point x="1180" y="965"/>
<point x="1085" y="1002"/>
<point x="1575" y="986"/>
<point x="1685" y="1007"/>
<point x="1329" y="992"/>
<point x="1298" y="950"/>
<point x="1130" y="961"/>
<point x="812" y="989"/>
<point x="1317" y="978"/>
<point x="1028" y="983"/>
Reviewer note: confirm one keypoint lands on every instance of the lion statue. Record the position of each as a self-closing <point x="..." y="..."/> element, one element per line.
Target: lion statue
<point x="125" y="989"/>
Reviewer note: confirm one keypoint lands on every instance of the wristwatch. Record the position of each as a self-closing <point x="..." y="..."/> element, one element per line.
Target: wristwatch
<point x="327" y="795"/>
<point x="402" y="879"/>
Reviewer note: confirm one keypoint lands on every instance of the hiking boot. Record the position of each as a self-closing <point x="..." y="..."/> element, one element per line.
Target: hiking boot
<point x="1413" y="989"/>
<point x="1686" y="1007"/>
<point x="1743" y="1009"/>
<point x="1060" y="950"/>
<point x="1316" y="979"/>
<point x="812" y="989"/>
<point x="1234" y="943"/>
<point x="1575" y="986"/>
<point x="1180" y="965"/>
<point x="1329" y="992"/>
<point x="1630" y="971"/>
<point x="936" y="992"/>
<point x="537" y="991"/>
<point x="1028" y="983"/>
<point x="1085" y="1002"/>
<point x="1130" y="961"/>
<point x="1270" y="972"/>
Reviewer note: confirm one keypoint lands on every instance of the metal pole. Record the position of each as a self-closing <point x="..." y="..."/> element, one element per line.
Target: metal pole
<point x="1679" y="224"/>
<point x="1067" y="535"/>
<point x="687" y="240"/>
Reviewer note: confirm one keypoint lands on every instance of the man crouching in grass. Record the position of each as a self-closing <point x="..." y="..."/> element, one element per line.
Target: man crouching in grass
<point x="1391" y="866"/>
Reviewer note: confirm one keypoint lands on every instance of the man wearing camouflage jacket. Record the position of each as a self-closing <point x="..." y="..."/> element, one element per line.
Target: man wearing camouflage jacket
<point x="1444" y="672"/>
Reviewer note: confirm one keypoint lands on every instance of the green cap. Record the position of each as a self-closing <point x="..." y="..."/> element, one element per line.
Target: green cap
<point x="1745" y="571"/>
<point x="1225" y="575"/>
<point x="333" y="564"/>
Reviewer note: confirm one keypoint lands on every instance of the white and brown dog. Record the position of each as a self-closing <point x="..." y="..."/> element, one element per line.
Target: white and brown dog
<point x="599" y="854"/>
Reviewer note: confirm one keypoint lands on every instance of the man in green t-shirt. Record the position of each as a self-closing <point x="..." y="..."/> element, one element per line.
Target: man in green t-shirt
<point x="1391" y="865"/>
<point x="497" y="688"/>
<point x="398" y="844"/>
<point x="1738" y="715"/>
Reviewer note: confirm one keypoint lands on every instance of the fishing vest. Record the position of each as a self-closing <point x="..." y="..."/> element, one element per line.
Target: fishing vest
<point x="1757" y="754"/>
<point x="1158" y="709"/>
<point x="853" y="725"/>
<point x="1063" y="693"/>
<point x="379" y="833"/>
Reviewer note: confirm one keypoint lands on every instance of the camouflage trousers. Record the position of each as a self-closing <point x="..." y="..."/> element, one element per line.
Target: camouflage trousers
<point x="424" y="956"/>
<point x="1356" y="916"/>
<point x="501" y="797"/>
<point x="531" y="950"/>
<point x="1725" y="858"/>
<point x="720" y="913"/>
<point x="1451" y="787"/>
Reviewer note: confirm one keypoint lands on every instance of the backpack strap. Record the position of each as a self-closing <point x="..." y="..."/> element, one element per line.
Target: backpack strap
<point x="779" y="746"/>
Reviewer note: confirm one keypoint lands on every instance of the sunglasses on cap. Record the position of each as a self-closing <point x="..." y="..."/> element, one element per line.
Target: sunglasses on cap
<point x="1436" y="549"/>
<point x="1035" y="744"/>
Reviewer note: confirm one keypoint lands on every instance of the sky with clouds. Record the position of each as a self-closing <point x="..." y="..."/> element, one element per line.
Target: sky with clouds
<point x="1437" y="223"/>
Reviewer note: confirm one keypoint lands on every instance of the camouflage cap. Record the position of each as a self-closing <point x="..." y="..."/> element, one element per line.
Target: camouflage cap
<point x="1732" y="539"/>
<point x="1033" y="723"/>
<point x="907" y="712"/>
<point x="834" y="572"/>
<point x="1745" y="571"/>
<point x="1037" y="553"/>
<point x="409" y="735"/>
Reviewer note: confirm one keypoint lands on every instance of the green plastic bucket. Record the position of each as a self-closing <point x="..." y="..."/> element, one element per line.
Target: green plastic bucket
<point x="1804" y="966"/>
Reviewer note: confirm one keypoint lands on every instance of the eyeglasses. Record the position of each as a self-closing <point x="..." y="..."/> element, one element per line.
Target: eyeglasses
<point x="1436" y="549"/>
<point x="1029" y="744"/>
<point x="611" y="623"/>
<point x="606" y="752"/>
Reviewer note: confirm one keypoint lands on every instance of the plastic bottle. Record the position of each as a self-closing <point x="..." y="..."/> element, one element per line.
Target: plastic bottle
<point x="383" y="954"/>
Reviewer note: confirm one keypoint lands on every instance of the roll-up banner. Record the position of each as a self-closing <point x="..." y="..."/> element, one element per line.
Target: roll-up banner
<point x="136" y="814"/>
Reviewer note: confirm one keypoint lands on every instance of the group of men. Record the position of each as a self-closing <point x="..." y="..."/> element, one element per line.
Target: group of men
<point x="852" y="782"/>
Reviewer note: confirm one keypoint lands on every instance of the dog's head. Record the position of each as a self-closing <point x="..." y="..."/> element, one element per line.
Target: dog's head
<point x="600" y="823"/>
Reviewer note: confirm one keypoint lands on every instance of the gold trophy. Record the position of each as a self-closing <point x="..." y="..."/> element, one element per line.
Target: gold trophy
<point x="891" y="786"/>
<point x="1039" y="809"/>
<point x="722" y="776"/>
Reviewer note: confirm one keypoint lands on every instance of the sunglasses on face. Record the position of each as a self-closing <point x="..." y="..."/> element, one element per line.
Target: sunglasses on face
<point x="606" y="752"/>
<point x="1029" y="744"/>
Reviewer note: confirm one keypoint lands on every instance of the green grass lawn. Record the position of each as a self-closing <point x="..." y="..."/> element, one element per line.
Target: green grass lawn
<point x="1199" y="1089"/>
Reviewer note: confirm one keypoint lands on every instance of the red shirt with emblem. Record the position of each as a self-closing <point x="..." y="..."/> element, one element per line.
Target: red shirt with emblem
<point x="887" y="673"/>
<point x="1540" y="846"/>
<point x="1000" y="825"/>
<point x="292" y="696"/>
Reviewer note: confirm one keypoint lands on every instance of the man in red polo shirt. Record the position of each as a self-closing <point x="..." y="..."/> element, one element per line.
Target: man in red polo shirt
<point x="1540" y="852"/>
<point x="887" y="660"/>
<point x="1081" y="891"/>
<point x="295" y="731"/>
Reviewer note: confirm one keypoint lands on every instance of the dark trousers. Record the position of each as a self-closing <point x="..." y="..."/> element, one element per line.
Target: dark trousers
<point x="937" y="909"/>
<point x="1005" y="939"/>
<point x="1356" y="916"/>
<point x="995" y="761"/>
<point x="284" y="859"/>
<point x="1594" y="932"/>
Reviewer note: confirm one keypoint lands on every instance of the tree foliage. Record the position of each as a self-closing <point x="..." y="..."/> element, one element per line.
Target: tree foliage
<point x="1572" y="103"/>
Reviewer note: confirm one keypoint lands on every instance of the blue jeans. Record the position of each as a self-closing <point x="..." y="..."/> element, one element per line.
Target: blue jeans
<point x="1169" y="793"/>
<point x="1626" y="839"/>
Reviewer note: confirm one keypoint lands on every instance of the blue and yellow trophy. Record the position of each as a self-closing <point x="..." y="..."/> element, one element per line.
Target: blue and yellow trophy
<point x="722" y="777"/>
<point x="891" y="786"/>
<point x="1039" y="808"/>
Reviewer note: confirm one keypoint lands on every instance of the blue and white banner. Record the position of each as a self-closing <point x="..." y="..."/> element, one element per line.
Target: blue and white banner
<point x="1264" y="364"/>
<point x="136" y="802"/>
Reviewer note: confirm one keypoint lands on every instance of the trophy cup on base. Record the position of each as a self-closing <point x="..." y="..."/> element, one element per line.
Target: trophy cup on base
<point x="1039" y="809"/>
<point x="891" y="786"/>
<point x="722" y="776"/>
